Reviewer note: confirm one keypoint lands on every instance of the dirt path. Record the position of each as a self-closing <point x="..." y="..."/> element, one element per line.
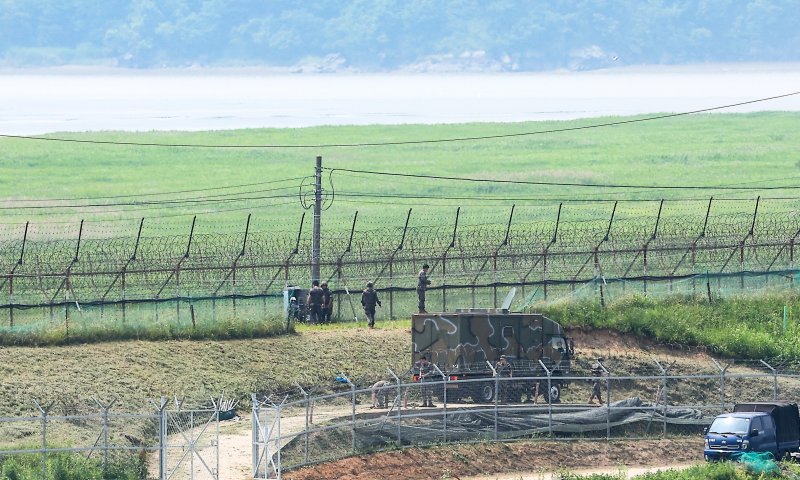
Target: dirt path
<point x="630" y="472"/>
<point x="506" y="460"/>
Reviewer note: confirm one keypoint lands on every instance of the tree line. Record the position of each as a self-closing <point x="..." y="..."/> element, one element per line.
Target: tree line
<point x="389" y="35"/>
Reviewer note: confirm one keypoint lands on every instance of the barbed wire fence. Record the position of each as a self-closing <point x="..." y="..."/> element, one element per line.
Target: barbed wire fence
<point x="174" y="440"/>
<point x="55" y="272"/>
<point x="652" y="399"/>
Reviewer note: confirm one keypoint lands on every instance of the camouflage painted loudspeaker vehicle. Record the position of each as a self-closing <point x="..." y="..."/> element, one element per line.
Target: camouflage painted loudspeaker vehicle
<point x="469" y="344"/>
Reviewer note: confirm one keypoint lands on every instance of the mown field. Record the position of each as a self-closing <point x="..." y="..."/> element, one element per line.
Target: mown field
<point x="136" y="371"/>
<point x="706" y="150"/>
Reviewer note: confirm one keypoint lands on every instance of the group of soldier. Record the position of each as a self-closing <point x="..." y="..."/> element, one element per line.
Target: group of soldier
<point x="424" y="372"/>
<point x="319" y="300"/>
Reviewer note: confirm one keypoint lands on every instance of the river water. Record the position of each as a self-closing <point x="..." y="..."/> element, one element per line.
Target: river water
<point x="79" y="99"/>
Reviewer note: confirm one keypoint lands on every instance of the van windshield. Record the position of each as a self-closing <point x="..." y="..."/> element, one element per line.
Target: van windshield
<point x="731" y="425"/>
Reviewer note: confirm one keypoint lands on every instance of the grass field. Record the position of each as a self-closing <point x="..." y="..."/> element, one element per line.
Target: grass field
<point x="135" y="371"/>
<point x="702" y="150"/>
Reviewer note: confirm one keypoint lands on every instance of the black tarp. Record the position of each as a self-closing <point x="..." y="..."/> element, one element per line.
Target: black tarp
<point x="785" y="414"/>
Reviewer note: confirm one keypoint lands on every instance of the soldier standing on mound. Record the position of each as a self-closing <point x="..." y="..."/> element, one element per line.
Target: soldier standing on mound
<point x="422" y="286"/>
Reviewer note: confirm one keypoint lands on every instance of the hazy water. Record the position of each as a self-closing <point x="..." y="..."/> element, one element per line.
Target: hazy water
<point x="82" y="100"/>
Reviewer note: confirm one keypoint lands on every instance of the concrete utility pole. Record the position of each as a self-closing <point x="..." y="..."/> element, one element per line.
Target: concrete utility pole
<point x="315" y="244"/>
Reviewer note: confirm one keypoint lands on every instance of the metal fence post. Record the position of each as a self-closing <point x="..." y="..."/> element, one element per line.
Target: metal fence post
<point x="549" y="401"/>
<point x="661" y="395"/>
<point x="353" y="414"/>
<point x="608" y="399"/>
<point x="721" y="381"/>
<point x="44" y="410"/>
<point x="399" y="403"/>
<point x="496" y="396"/>
<point x="444" y="399"/>
<point x="255" y="428"/>
<point x="105" y="409"/>
<point x="308" y="416"/>
<point x="162" y="439"/>
<point x="774" y="379"/>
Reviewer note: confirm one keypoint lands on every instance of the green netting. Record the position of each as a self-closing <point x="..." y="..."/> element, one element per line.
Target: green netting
<point x="761" y="463"/>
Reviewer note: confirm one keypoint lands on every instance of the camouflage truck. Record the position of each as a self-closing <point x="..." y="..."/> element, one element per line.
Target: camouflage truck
<point x="465" y="343"/>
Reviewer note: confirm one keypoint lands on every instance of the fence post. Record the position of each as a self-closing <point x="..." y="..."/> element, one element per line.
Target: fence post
<point x="608" y="399"/>
<point x="661" y="395"/>
<point x="162" y="439"/>
<point x="254" y="434"/>
<point x="399" y="403"/>
<point x="444" y="399"/>
<point x="353" y="413"/>
<point x="391" y="288"/>
<point x="496" y="395"/>
<point x="774" y="379"/>
<point x="105" y="409"/>
<point x="44" y="410"/>
<point x="721" y="381"/>
<point x="549" y="400"/>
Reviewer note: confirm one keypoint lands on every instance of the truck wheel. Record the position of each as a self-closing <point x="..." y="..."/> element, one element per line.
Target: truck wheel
<point x="555" y="393"/>
<point x="484" y="392"/>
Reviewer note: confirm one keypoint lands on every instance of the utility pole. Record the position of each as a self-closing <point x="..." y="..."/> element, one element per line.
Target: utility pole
<point x="315" y="245"/>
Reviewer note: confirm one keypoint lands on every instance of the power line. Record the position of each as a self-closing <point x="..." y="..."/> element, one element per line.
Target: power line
<point x="406" y="142"/>
<point x="566" y="184"/>
<point x="159" y="203"/>
<point x="72" y="199"/>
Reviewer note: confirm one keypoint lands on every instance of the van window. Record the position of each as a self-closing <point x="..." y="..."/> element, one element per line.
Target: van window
<point x="757" y="423"/>
<point x="557" y="343"/>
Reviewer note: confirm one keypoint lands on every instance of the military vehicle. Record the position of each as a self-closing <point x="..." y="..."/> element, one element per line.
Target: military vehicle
<point x="464" y="344"/>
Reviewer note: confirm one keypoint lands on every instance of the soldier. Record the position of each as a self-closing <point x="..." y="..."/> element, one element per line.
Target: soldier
<point x="380" y="394"/>
<point x="503" y="369"/>
<point x="422" y="286"/>
<point x="424" y="370"/>
<point x="314" y="302"/>
<point x="597" y="372"/>
<point x="327" y="303"/>
<point x="369" y="298"/>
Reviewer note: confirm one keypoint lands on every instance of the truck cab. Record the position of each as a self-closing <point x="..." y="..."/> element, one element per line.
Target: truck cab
<point x="772" y="427"/>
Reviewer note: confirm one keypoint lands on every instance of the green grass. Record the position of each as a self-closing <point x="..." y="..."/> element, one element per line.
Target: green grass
<point x="83" y="330"/>
<point x="697" y="150"/>
<point x="708" y="471"/>
<point x="747" y="327"/>
<point x="63" y="466"/>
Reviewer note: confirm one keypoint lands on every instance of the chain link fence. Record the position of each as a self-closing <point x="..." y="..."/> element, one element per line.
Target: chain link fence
<point x="171" y="443"/>
<point x="649" y="401"/>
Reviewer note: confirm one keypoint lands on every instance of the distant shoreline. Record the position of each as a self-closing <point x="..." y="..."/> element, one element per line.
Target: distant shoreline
<point x="79" y="99"/>
<point x="700" y="68"/>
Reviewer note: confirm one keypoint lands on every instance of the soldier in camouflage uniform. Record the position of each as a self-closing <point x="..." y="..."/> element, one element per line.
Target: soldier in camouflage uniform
<point x="424" y="370"/>
<point x="503" y="369"/>
<point x="597" y="372"/>
<point x="369" y="298"/>
<point x="327" y="303"/>
<point x="422" y="287"/>
<point x="314" y="301"/>
<point x="380" y="394"/>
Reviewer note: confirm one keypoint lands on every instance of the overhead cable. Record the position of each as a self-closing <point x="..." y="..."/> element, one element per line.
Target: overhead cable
<point x="403" y="142"/>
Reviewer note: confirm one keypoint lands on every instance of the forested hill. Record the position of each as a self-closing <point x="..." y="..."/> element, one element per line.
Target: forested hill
<point x="388" y="35"/>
